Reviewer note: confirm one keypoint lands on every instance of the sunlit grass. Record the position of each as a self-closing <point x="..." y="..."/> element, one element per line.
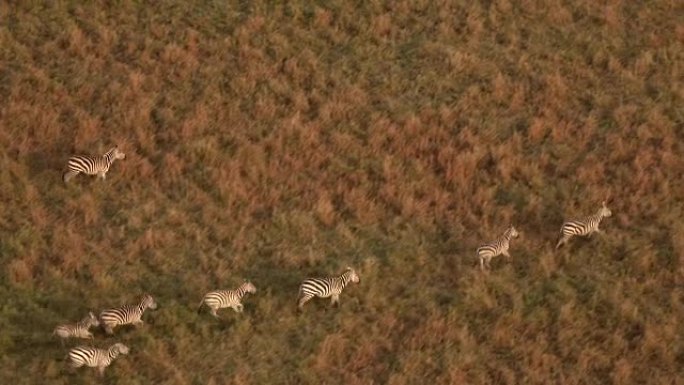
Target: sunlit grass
<point x="276" y="142"/>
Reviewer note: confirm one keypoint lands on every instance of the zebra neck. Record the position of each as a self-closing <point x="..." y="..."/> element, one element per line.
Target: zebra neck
<point x="596" y="217"/>
<point x="84" y="324"/>
<point x="345" y="279"/>
<point x="109" y="157"/>
<point x="112" y="353"/>
<point x="240" y="292"/>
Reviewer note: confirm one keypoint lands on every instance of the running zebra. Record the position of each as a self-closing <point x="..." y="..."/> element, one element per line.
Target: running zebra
<point x="220" y="299"/>
<point x="94" y="357"/>
<point x="92" y="165"/>
<point x="77" y="330"/>
<point x="127" y="314"/>
<point x="326" y="287"/>
<point x="584" y="227"/>
<point x="499" y="246"/>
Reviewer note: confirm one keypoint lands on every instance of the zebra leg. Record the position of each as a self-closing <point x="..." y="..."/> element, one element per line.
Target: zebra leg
<point x="100" y="370"/>
<point x="335" y="300"/>
<point x="73" y="364"/>
<point x="507" y="254"/>
<point x="302" y="300"/>
<point x="109" y="329"/>
<point x="213" y="312"/>
<point x="488" y="262"/>
<point x="102" y="175"/>
<point x="67" y="176"/>
<point x="240" y="308"/>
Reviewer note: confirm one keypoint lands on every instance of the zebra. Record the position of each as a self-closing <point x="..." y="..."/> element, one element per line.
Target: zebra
<point x="220" y="299"/>
<point x="127" y="314"/>
<point x="94" y="357"/>
<point x="77" y="330"/>
<point x="92" y="165"/>
<point x="584" y="227"/>
<point x="497" y="247"/>
<point x="326" y="287"/>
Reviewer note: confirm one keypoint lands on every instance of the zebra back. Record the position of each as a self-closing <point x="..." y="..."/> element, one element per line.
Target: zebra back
<point x="92" y="356"/>
<point x="127" y="313"/>
<point x="500" y="244"/>
<point x="79" y="329"/>
<point x="226" y="298"/>
<point x="326" y="286"/>
<point x="586" y="225"/>
<point x="91" y="165"/>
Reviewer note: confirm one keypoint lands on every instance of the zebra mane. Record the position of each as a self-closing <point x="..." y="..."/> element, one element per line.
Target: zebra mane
<point x="116" y="349"/>
<point x="346" y="276"/>
<point x="88" y="320"/>
<point x="242" y="289"/>
<point x="508" y="234"/>
<point x="145" y="302"/>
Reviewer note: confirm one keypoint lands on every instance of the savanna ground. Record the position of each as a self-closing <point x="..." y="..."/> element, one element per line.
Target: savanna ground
<point x="279" y="141"/>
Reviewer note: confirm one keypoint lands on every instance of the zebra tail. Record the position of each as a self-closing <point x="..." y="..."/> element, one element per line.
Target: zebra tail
<point x="559" y="242"/>
<point x="199" y="308"/>
<point x="299" y="298"/>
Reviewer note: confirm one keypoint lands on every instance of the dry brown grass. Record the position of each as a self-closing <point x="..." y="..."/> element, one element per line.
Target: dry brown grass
<point x="275" y="142"/>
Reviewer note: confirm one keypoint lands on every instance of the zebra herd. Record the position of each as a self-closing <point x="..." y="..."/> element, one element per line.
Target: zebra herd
<point x="132" y="315"/>
<point x="328" y="287"/>
<point x="574" y="227"/>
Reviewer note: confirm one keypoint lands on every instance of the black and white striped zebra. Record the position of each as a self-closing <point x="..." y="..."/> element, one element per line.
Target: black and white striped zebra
<point x="220" y="299"/>
<point x="583" y="227"/>
<point x="92" y="165"/>
<point x="127" y="314"/>
<point x="497" y="247"/>
<point x="94" y="357"/>
<point x="326" y="287"/>
<point x="77" y="330"/>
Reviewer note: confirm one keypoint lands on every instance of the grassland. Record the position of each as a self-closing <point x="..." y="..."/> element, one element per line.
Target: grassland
<point x="278" y="141"/>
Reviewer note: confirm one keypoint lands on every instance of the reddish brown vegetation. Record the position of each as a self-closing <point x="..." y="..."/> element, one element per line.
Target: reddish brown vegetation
<point x="274" y="142"/>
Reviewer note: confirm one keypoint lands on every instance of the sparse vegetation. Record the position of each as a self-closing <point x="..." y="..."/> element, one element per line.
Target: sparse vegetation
<point x="272" y="142"/>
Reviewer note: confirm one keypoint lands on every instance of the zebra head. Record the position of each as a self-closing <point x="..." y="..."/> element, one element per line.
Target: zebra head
<point x="119" y="348"/>
<point x="91" y="320"/>
<point x="512" y="232"/>
<point x="148" y="302"/>
<point x="249" y="287"/>
<point x="115" y="153"/>
<point x="604" y="211"/>
<point x="351" y="275"/>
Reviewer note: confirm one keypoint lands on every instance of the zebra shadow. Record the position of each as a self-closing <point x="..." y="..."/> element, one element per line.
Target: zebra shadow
<point x="209" y="326"/>
<point x="86" y="375"/>
<point x="125" y="332"/>
<point x="47" y="165"/>
<point x="224" y="322"/>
